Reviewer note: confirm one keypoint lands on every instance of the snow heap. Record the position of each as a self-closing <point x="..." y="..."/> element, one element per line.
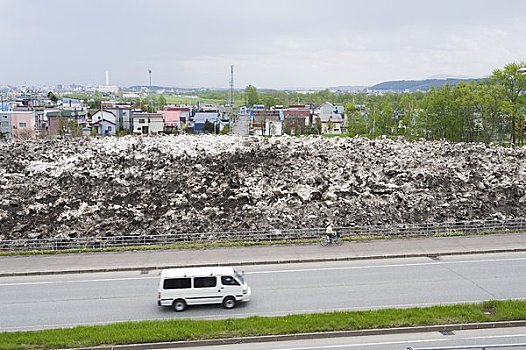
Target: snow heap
<point x="173" y="184"/>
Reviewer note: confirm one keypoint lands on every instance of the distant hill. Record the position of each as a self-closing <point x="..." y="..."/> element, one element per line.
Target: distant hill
<point x="417" y="85"/>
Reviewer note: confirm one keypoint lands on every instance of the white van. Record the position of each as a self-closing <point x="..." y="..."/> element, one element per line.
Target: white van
<point x="179" y="288"/>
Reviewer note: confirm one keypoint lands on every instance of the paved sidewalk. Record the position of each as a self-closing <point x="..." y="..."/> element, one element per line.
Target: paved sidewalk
<point x="156" y="259"/>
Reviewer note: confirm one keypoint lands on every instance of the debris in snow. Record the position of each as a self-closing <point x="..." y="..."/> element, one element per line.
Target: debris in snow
<point x="171" y="184"/>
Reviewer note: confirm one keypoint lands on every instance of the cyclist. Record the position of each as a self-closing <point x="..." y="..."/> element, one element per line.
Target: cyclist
<point x="329" y="231"/>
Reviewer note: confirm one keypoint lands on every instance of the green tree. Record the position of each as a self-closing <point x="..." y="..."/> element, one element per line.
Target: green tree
<point x="512" y="83"/>
<point x="355" y="121"/>
<point x="74" y="128"/>
<point x="408" y="106"/>
<point x="385" y="122"/>
<point x="489" y="101"/>
<point x="251" y="95"/>
<point x="52" y="96"/>
<point x="208" y="127"/>
<point x="161" y="101"/>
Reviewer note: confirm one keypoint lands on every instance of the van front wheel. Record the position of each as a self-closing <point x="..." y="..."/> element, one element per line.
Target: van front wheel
<point x="179" y="305"/>
<point x="229" y="303"/>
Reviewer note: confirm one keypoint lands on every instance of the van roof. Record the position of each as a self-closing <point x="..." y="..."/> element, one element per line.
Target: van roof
<point x="197" y="271"/>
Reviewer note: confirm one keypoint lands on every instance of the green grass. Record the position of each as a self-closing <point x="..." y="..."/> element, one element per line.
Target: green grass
<point x="189" y="100"/>
<point x="180" y="330"/>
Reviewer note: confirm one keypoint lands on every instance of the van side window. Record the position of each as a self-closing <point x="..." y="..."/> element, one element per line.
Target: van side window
<point x="205" y="282"/>
<point x="176" y="283"/>
<point x="229" y="281"/>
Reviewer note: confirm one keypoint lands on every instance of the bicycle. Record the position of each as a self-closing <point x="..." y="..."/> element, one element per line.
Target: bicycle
<point x="326" y="240"/>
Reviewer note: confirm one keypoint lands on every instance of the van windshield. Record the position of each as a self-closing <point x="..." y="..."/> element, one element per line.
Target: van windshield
<point x="239" y="277"/>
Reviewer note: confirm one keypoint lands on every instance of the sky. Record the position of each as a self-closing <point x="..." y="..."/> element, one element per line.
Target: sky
<point x="276" y="44"/>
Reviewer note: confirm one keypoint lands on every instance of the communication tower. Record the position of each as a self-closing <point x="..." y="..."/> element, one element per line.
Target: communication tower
<point x="231" y="97"/>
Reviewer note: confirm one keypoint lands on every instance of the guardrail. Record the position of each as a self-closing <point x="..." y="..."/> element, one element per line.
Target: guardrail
<point x="273" y="235"/>
<point x="479" y="347"/>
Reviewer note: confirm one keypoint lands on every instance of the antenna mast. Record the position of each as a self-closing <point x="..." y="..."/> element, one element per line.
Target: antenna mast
<point x="231" y="85"/>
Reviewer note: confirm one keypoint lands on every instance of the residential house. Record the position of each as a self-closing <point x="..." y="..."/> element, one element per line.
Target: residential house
<point x="147" y="123"/>
<point x="175" y="118"/>
<point x="17" y="125"/>
<point x="104" y="122"/>
<point x="267" y="122"/>
<point x="201" y="118"/>
<point x="123" y="117"/>
<point x="64" y="121"/>
<point x="331" y="118"/>
<point x="296" y="118"/>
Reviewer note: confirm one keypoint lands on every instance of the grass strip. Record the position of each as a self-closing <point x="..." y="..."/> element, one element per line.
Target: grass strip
<point x="180" y="330"/>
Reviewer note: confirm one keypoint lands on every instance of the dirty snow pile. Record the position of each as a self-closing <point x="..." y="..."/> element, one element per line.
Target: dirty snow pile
<point x="173" y="184"/>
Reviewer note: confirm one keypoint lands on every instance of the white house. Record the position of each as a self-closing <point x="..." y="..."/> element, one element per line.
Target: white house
<point x="104" y="123"/>
<point x="147" y="123"/>
<point x="331" y="118"/>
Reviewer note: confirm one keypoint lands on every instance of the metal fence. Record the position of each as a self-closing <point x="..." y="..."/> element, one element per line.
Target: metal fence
<point x="273" y="235"/>
<point x="474" y="347"/>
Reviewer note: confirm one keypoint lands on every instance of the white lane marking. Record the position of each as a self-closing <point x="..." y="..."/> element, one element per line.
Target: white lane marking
<point x="435" y="263"/>
<point x="385" y="266"/>
<point x="399" y="342"/>
<point x="63" y="325"/>
<point x="499" y="336"/>
<point x="361" y="345"/>
<point x="78" y="281"/>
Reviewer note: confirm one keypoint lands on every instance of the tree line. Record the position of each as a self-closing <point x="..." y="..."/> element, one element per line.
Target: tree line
<point x="487" y="110"/>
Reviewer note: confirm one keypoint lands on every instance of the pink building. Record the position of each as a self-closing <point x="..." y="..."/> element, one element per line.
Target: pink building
<point x="18" y="125"/>
<point x="175" y="117"/>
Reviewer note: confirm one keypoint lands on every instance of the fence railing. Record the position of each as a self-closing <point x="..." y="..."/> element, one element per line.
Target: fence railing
<point x="273" y="235"/>
<point x="479" y="347"/>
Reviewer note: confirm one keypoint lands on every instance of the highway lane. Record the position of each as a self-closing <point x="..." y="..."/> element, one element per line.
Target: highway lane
<point x="38" y="302"/>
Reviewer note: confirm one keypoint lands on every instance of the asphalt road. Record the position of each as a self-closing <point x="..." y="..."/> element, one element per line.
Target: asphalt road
<point x="437" y="340"/>
<point x="38" y="302"/>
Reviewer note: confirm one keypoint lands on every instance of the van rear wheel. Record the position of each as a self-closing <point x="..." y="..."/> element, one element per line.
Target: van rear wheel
<point x="179" y="305"/>
<point x="229" y="303"/>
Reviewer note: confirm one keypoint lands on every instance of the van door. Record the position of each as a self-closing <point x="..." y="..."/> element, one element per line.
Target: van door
<point x="230" y="286"/>
<point x="205" y="291"/>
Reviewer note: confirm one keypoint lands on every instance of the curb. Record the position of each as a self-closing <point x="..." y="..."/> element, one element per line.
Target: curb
<point x="263" y="262"/>
<point x="300" y="336"/>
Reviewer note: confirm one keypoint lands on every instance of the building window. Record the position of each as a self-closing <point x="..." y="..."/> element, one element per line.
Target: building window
<point x="22" y="125"/>
<point x="109" y="128"/>
<point x="141" y="121"/>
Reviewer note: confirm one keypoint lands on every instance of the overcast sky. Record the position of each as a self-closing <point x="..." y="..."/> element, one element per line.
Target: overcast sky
<point x="271" y="43"/>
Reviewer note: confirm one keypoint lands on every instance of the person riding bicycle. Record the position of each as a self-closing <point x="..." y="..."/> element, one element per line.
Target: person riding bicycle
<point x="329" y="231"/>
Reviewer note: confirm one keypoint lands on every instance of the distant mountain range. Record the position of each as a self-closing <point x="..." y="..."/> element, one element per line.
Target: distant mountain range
<point x="394" y="86"/>
<point x="407" y="85"/>
<point x="418" y="85"/>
